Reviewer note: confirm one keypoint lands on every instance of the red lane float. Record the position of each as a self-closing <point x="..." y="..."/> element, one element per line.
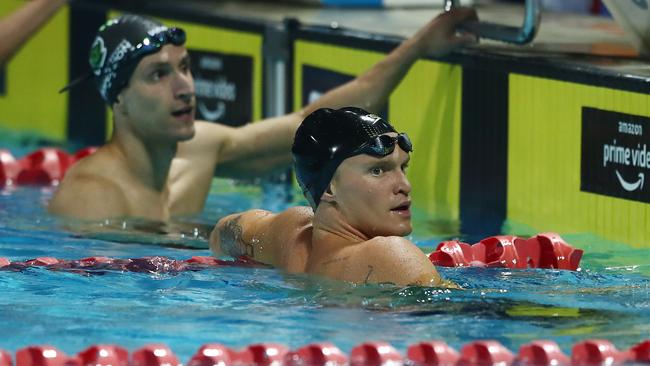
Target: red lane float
<point x="546" y="250"/>
<point x="154" y="264"/>
<point x="213" y="354"/>
<point x="262" y="354"/>
<point x="154" y="355"/>
<point x="316" y="354"/>
<point x="641" y="352"/>
<point x="594" y="352"/>
<point x="103" y="355"/>
<point x="432" y="353"/>
<point x="542" y="353"/>
<point x="5" y="358"/>
<point x="374" y="354"/>
<point x="41" y="356"/>
<point x="44" y="166"/>
<point x="9" y="168"/>
<point x="487" y="352"/>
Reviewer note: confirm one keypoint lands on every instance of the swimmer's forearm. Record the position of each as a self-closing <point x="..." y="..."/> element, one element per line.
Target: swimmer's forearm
<point x="17" y="27"/>
<point x="371" y="89"/>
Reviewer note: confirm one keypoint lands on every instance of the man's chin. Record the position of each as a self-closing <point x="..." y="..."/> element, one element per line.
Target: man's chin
<point x="406" y="231"/>
<point x="397" y="231"/>
<point x="187" y="135"/>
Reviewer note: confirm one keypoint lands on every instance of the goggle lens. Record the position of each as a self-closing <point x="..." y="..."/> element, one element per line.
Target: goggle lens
<point x="384" y="145"/>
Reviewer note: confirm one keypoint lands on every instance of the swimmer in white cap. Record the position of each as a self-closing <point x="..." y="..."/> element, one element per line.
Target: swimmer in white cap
<point x="351" y="166"/>
<point x="160" y="161"/>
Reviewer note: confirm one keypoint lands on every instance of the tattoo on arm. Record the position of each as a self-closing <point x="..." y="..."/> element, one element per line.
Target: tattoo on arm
<point x="370" y="270"/>
<point x="231" y="240"/>
<point x="335" y="260"/>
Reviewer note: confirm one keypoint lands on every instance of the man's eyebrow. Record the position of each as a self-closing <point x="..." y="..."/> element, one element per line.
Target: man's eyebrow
<point x="157" y="64"/>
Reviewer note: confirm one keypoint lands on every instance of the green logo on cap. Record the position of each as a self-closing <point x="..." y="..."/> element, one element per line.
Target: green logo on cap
<point x="97" y="55"/>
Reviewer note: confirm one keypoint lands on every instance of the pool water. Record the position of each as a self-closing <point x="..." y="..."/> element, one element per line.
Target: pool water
<point x="609" y="298"/>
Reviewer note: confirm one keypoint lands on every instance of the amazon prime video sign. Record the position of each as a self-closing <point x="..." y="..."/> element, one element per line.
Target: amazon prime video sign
<point x="615" y="154"/>
<point x="223" y="87"/>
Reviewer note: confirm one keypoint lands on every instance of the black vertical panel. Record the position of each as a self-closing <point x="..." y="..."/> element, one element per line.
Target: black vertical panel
<point x="3" y="88"/>
<point x="86" y="109"/>
<point x="484" y="152"/>
<point x="291" y="25"/>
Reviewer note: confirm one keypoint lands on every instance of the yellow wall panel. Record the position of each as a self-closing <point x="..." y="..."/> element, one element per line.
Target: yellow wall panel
<point x="427" y="105"/>
<point x="544" y="152"/>
<point x="33" y="78"/>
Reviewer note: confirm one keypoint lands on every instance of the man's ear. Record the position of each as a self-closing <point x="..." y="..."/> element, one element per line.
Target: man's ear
<point x="118" y="106"/>
<point x="328" y="195"/>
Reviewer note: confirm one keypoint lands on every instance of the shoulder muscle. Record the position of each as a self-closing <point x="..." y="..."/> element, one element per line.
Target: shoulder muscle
<point x="89" y="197"/>
<point x="397" y="260"/>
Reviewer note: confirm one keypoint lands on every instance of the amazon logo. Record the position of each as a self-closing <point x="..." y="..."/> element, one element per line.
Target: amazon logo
<point x="615" y="154"/>
<point x="631" y="186"/>
<point x="223" y="85"/>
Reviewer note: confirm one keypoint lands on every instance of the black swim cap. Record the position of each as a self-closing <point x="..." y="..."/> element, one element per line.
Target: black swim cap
<point x="326" y="138"/>
<point x="118" y="47"/>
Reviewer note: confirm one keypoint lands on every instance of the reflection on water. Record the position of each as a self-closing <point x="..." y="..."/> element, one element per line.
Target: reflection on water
<point x="174" y="234"/>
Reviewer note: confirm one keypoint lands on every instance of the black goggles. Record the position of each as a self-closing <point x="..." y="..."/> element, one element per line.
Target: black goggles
<point x="383" y="145"/>
<point x="153" y="44"/>
<point x="148" y="46"/>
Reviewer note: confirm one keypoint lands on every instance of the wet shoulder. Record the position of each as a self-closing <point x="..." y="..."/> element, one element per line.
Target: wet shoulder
<point x="298" y="216"/>
<point x="396" y="260"/>
<point x="293" y="225"/>
<point x="89" y="190"/>
<point x="388" y="249"/>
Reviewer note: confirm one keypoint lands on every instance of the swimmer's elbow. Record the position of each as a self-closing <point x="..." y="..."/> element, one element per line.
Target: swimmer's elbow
<point x="215" y="242"/>
<point x="223" y="228"/>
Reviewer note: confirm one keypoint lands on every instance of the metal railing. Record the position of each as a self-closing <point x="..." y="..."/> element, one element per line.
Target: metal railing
<point x="501" y="32"/>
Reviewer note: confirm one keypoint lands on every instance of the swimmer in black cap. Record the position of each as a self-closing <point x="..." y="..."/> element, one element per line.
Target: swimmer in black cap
<point x="159" y="161"/>
<point x="351" y="166"/>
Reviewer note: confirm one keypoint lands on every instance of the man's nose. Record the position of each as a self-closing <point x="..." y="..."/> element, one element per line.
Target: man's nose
<point x="184" y="86"/>
<point x="403" y="185"/>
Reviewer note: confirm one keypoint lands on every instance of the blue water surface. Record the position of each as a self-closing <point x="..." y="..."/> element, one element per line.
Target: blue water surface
<point x="608" y="298"/>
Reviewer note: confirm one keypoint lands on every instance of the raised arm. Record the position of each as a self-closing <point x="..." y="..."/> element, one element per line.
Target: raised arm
<point x="259" y="148"/>
<point x="371" y="89"/>
<point x="17" y="27"/>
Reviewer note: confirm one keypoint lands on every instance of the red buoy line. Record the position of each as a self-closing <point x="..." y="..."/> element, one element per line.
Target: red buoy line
<point x="546" y="250"/>
<point x="45" y="166"/>
<point x="591" y="352"/>
<point x="153" y="264"/>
